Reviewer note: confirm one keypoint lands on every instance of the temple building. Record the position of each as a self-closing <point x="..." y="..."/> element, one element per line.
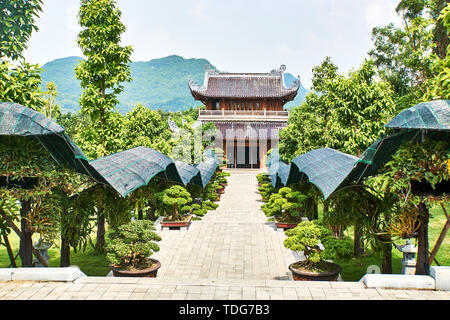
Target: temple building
<point x="247" y="109"/>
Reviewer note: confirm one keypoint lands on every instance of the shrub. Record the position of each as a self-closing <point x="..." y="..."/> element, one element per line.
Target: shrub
<point x="285" y="203"/>
<point x="131" y="244"/>
<point x="178" y="198"/>
<point x="337" y="249"/>
<point x="307" y="237"/>
<point x="263" y="178"/>
<point x="266" y="190"/>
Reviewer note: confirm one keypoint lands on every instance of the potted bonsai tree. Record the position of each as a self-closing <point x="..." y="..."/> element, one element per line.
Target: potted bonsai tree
<point x="306" y="237"/>
<point x="266" y="190"/>
<point x="179" y="200"/>
<point x="221" y="178"/>
<point x="262" y="178"/>
<point x="129" y="249"/>
<point x="285" y="206"/>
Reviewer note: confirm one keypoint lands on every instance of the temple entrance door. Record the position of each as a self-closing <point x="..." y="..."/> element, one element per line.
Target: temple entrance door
<point x="242" y="155"/>
<point x="231" y="155"/>
<point x="254" y="155"/>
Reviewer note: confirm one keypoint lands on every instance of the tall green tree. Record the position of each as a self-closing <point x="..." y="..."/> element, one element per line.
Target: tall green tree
<point x="20" y="83"/>
<point x="101" y="74"/>
<point x="18" y="23"/>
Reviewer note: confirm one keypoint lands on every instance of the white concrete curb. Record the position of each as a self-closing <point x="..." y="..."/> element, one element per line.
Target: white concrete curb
<point x="398" y="281"/>
<point x="441" y="276"/>
<point x="67" y="274"/>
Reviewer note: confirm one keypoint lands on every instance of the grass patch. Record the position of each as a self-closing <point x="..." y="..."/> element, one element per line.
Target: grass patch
<point x="356" y="268"/>
<point x="90" y="262"/>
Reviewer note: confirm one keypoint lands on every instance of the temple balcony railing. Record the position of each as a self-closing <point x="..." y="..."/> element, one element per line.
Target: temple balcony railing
<point x="243" y="115"/>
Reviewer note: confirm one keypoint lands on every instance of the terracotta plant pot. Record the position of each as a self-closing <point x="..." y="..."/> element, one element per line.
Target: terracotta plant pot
<point x="221" y="191"/>
<point x="303" y="275"/>
<point x="168" y="223"/>
<point x="146" y="273"/>
<point x="284" y="225"/>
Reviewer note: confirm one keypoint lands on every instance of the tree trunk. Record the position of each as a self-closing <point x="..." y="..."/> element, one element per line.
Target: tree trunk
<point x="386" y="264"/>
<point x="441" y="237"/>
<point x="9" y="250"/>
<point x="151" y="213"/>
<point x="64" y="260"/>
<point x="26" y="242"/>
<point x="315" y="214"/>
<point x="358" y="249"/>
<point x="13" y="226"/>
<point x="325" y="207"/>
<point x="140" y="214"/>
<point x="100" y="244"/>
<point x="422" y="241"/>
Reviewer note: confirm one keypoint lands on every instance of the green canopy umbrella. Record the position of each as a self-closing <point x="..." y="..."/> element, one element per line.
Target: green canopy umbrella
<point x="326" y="168"/>
<point x="278" y="170"/>
<point x="133" y="168"/>
<point x="331" y="170"/>
<point x="189" y="174"/>
<point x="207" y="169"/>
<point x="430" y="116"/>
<point x="18" y="120"/>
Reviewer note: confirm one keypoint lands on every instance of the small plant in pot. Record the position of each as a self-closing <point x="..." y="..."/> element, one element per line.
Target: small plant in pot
<point x="266" y="190"/>
<point x="179" y="199"/>
<point x="221" y="178"/>
<point x="305" y="237"/>
<point x="130" y="247"/>
<point x="285" y="206"/>
<point x="262" y="178"/>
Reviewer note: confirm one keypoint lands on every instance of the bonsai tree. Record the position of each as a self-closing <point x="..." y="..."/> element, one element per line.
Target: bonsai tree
<point x="318" y="247"/>
<point x="305" y="237"/>
<point x="131" y="244"/>
<point x="262" y="178"/>
<point x="197" y="210"/>
<point x="221" y="178"/>
<point x="179" y="199"/>
<point x="210" y="192"/>
<point x="266" y="190"/>
<point x="285" y="205"/>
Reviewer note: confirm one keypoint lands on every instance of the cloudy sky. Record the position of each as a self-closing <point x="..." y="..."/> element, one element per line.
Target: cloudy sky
<point x="234" y="35"/>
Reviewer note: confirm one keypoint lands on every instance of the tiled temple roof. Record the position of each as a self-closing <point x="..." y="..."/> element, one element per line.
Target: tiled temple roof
<point x="244" y="85"/>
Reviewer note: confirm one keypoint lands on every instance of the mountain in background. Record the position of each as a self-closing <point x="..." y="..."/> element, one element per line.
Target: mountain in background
<point x="157" y="84"/>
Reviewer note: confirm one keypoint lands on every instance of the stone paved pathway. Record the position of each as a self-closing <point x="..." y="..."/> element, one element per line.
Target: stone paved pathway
<point x="235" y="241"/>
<point x="233" y="253"/>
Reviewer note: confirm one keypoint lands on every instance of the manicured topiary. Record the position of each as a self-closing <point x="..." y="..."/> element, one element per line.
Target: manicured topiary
<point x="318" y="246"/>
<point x="262" y="178"/>
<point x="179" y="199"/>
<point x="286" y="205"/>
<point x="131" y="244"/>
<point x="266" y="190"/>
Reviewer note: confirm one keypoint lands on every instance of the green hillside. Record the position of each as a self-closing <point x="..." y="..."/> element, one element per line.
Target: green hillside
<point x="158" y="83"/>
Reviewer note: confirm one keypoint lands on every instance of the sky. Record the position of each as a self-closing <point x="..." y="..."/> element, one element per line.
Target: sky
<point x="233" y="35"/>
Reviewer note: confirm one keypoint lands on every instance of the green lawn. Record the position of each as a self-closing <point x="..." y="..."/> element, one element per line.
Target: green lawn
<point x="354" y="269"/>
<point x="90" y="262"/>
<point x="93" y="264"/>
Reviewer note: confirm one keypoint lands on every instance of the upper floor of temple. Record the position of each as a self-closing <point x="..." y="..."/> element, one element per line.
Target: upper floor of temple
<point x="251" y="96"/>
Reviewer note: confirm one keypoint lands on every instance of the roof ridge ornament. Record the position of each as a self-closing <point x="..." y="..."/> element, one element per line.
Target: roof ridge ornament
<point x="296" y="83"/>
<point x="192" y="83"/>
<point x="279" y="71"/>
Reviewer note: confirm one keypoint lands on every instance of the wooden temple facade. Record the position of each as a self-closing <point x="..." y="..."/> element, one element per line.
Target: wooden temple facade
<point x="247" y="109"/>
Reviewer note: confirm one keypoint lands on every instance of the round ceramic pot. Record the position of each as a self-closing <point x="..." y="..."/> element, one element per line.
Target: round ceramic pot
<point x="301" y="275"/>
<point x="146" y="273"/>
